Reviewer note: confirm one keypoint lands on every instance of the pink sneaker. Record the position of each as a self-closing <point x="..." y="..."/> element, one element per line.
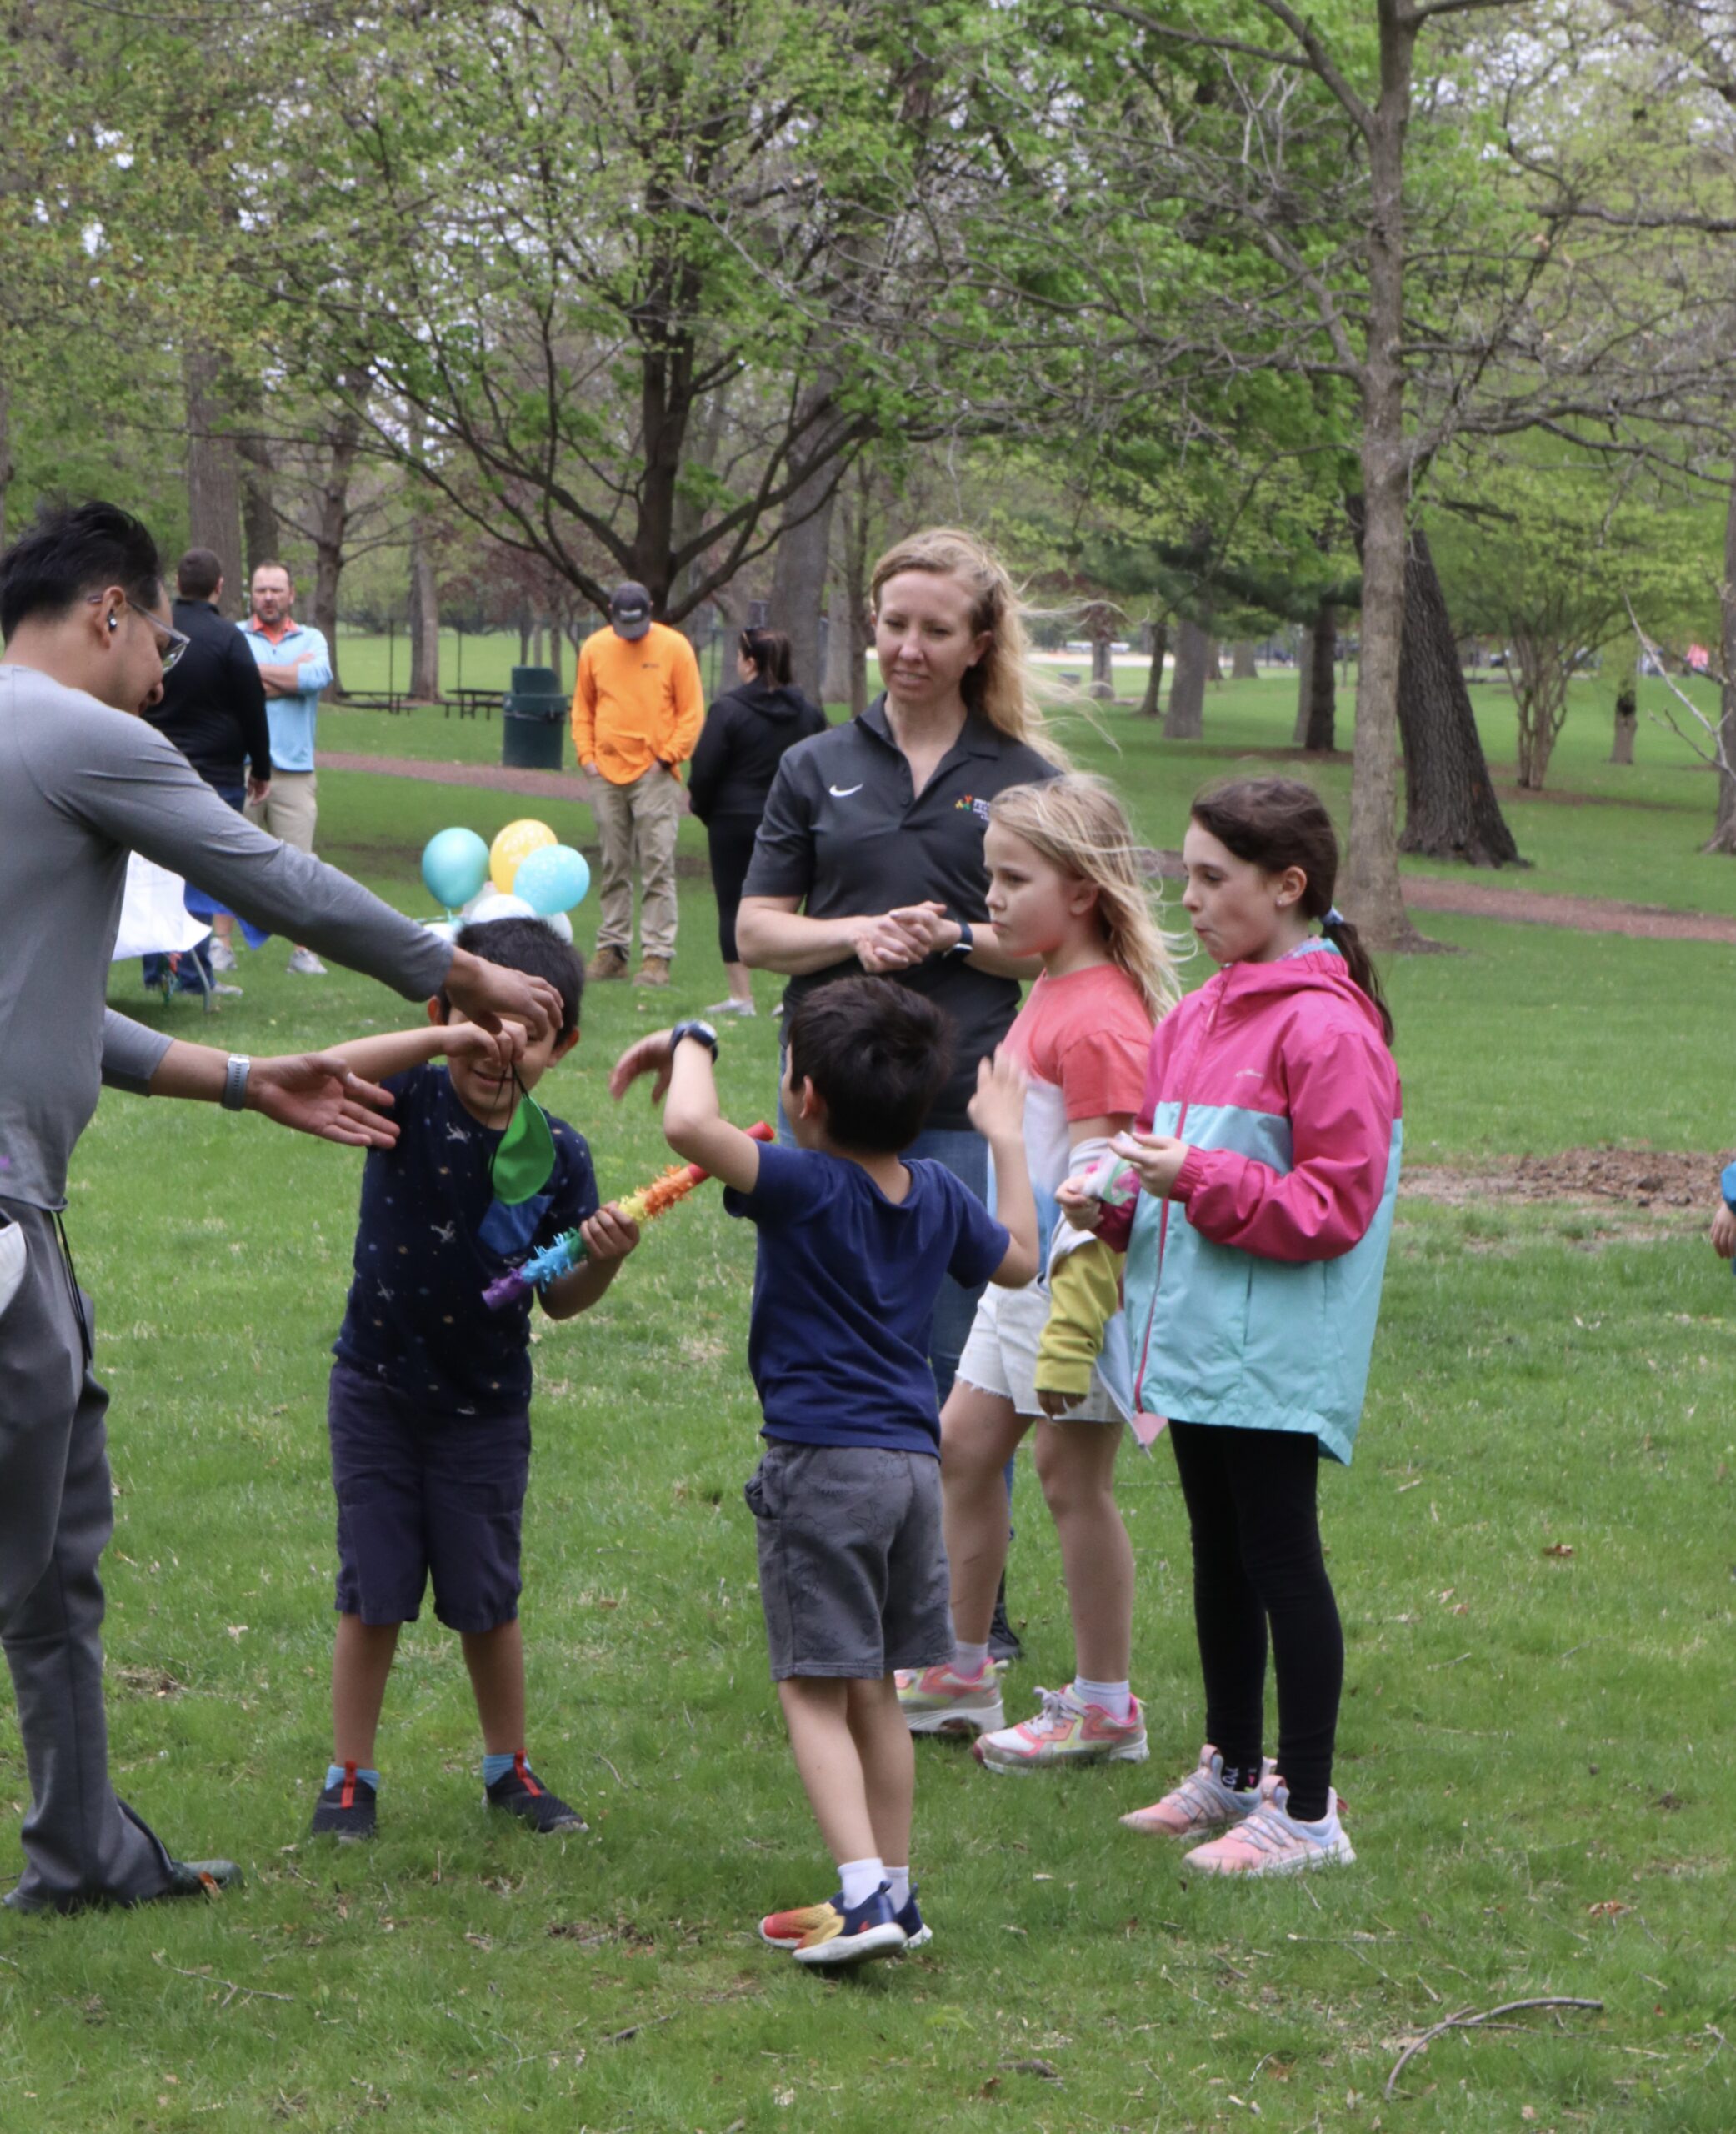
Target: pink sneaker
<point x="941" y="1701"/>
<point x="1065" y="1732"/>
<point x="1202" y="1802"/>
<point x="1271" y="1841"/>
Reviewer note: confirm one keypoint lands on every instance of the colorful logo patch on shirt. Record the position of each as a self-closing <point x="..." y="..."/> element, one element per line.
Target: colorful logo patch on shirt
<point x="980" y="808"/>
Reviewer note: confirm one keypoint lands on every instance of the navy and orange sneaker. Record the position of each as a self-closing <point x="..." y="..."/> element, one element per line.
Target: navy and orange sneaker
<point x="519" y="1792"/>
<point x="345" y="1810"/>
<point x="830" y="1936"/>
<point x="788" y="1929"/>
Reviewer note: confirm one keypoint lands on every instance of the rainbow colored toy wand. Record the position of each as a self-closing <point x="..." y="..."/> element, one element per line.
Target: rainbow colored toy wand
<point x="569" y="1249"/>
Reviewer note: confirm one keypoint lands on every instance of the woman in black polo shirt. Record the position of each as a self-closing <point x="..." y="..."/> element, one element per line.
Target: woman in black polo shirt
<point x="869" y="856"/>
<point x="746" y="735"/>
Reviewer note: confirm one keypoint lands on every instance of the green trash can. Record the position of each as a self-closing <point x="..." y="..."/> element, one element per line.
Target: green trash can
<point x="533" y="721"/>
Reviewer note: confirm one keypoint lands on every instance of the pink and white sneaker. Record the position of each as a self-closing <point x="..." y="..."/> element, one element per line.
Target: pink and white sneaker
<point x="1271" y="1841"/>
<point x="1202" y="1802"/>
<point x="941" y="1701"/>
<point x="1065" y="1732"/>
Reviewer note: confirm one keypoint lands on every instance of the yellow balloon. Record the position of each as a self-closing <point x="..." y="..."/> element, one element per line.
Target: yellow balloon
<point x="510" y="848"/>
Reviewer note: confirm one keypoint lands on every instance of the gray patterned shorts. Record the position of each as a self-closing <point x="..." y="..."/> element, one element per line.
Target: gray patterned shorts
<point x="853" y="1564"/>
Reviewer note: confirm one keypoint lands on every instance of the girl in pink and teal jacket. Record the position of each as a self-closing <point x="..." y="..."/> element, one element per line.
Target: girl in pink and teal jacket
<point x="1267" y="1158"/>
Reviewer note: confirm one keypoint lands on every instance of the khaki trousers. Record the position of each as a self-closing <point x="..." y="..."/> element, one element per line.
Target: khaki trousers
<point x="637" y="824"/>
<point x="288" y="811"/>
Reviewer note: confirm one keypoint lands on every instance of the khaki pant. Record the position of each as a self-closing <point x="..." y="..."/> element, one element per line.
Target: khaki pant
<point x="636" y="825"/>
<point x="288" y="811"/>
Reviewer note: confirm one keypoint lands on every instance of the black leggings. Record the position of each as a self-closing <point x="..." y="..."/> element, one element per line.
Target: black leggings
<point x="730" y="838"/>
<point x="1250" y="1499"/>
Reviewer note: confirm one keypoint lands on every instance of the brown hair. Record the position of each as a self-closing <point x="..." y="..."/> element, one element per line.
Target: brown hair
<point x="769" y="651"/>
<point x="1276" y="822"/>
<point x="1002" y="685"/>
<point x="199" y="573"/>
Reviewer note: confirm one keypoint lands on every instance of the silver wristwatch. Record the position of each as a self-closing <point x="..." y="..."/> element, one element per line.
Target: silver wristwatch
<point x="234" y="1097"/>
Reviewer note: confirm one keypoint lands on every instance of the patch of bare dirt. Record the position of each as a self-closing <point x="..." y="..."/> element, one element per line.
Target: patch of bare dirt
<point x="1632" y="1178"/>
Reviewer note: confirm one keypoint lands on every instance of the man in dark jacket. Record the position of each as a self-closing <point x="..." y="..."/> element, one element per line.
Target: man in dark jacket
<point x="214" y="710"/>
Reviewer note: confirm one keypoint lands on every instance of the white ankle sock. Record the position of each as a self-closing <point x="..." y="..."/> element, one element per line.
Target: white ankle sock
<point x="1115" y="1697"/>
<point x="899" y="1878"/>
<point x="861" y="1878"/>
<point x="968" y="1659"/>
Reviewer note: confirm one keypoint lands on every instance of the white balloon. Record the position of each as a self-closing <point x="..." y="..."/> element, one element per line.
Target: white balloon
<point x="495" y="905"/>
<point x="558" y="922"/>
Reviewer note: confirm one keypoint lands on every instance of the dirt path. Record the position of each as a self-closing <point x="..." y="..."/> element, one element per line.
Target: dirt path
<point x="1635" y="1178"/>
<point x="1468" y="898"/>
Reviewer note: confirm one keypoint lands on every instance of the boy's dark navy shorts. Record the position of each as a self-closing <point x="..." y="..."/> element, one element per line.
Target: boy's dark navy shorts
<point x="424" y="1493"/>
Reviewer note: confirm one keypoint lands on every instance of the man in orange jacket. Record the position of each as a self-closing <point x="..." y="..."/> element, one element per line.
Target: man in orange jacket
<point x="637" y="712"/>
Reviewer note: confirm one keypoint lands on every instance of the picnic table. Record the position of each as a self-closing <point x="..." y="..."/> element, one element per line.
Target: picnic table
<point x="469" y="702"/>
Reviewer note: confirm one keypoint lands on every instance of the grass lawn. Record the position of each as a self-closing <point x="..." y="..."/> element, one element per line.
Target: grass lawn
<point x="1534" y="1560"/>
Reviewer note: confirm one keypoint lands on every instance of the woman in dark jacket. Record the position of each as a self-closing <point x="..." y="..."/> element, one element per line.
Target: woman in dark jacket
<point x="745" y="736"/>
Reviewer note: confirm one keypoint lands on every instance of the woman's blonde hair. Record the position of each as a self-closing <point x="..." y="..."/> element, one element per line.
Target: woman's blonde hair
<point x="1002" y="685"/>
<point x="1079" y="825"/>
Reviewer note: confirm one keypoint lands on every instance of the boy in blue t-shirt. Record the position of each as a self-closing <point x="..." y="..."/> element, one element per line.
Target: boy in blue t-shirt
<point x="854" y="1243"/>
<point x="429" y="1404"/>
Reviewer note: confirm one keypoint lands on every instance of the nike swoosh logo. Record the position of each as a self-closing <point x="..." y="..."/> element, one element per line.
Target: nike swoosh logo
<point x="843" y="792"/>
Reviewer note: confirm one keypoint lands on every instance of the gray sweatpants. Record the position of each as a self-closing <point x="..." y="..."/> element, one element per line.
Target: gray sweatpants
<point x="81" y="1844"/>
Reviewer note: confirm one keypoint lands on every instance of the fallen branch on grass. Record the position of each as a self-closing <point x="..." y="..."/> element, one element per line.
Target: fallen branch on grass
<point x="1466" y="2020"/>
<point x="205" y="1978"/>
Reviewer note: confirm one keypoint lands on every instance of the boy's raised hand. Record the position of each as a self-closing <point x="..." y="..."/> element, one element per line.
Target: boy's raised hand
<point x="997" y="1109"/>
<point x="1723" y="1231"/>
<point x="649" y="1055"/>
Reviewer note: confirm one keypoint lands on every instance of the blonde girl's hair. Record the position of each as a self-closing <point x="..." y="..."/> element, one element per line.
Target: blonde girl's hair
<point x="1079" y="825"/>
<point x="1003" y="685"/>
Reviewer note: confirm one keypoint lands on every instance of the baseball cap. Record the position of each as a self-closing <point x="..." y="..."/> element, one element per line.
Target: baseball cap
<point x="629" y="611"/>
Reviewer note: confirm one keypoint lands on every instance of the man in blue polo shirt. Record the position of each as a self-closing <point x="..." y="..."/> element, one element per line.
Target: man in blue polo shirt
<point x="294" y="665"/>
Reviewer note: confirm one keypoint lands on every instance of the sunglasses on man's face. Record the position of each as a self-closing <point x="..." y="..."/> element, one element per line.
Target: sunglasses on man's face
<point x="171" y="642"/>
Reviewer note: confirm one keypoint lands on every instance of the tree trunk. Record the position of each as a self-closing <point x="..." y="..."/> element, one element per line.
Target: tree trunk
<point x="1723" y="827"/>
<point x="835" y="686"/>
<point x="331" y="531"/>
<point x="1450" y="808"/>
<point x="1148" y="704"/>
<point x="260" y="533"/>
<point x="858" y="516"/>
<point x="1627" y="713"/>
<point x="1369" y="890"/>
<point x="1103" y="667"/>
<point x="424" y="617"/>
<point x="1317" y="693"/>
<point x="1243" y="667"/>
<point x="1186" y="718"/>
<point x="213" y="476"/>
<point x="798" y="578"/>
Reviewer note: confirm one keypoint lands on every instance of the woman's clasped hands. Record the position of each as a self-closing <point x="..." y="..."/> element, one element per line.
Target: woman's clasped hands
<point x="897" y="939"/>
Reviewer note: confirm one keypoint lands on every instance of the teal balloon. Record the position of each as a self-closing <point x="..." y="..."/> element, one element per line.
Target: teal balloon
<point x="454" y="866"/>
<point x="552" y="878"/>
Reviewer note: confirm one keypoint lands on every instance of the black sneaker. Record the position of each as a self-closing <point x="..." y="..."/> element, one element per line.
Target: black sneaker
<point x="345" y="1811"/>
<point x="519" y="1793"/>
<point x="1004" y="1643"/>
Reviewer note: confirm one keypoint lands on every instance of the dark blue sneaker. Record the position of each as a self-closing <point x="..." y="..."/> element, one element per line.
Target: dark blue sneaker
<point x="841" y="1936"/>
<point x="346" y="1811"/>
<point x="910" y="1920"/>
<point x="520" y="1792"/>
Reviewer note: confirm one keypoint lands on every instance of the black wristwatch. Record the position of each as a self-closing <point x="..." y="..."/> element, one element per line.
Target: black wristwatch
<point x="965" y="943"/>
<point x="703" y="1031"/>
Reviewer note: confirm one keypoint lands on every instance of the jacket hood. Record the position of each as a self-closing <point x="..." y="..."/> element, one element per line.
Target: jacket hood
<point x="778" y="701"/>
<point x="1316" y="967"/>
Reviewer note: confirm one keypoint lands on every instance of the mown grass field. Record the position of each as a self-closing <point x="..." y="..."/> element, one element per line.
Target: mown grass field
<point x="1533" y="1553"/>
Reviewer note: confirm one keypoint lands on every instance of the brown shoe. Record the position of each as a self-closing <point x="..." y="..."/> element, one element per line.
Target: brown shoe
<point x="607" y="963"/>
<point x="653" y="971"/>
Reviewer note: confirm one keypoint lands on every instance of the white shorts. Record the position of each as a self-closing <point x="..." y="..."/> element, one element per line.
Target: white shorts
<point x="1000" y="1355"/>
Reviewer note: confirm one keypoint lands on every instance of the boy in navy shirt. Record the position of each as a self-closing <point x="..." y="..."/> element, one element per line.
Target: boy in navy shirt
<point x="430" y="1395"/>
<point x="854" y="1243"/>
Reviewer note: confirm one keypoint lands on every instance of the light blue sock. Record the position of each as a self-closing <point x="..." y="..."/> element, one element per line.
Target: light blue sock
<point x="334" y="1777"/>
<point x="494" y="1766"/>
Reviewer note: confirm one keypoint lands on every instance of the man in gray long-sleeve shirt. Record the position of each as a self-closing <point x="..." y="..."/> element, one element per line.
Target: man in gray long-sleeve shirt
<point x="82" y="780"/>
